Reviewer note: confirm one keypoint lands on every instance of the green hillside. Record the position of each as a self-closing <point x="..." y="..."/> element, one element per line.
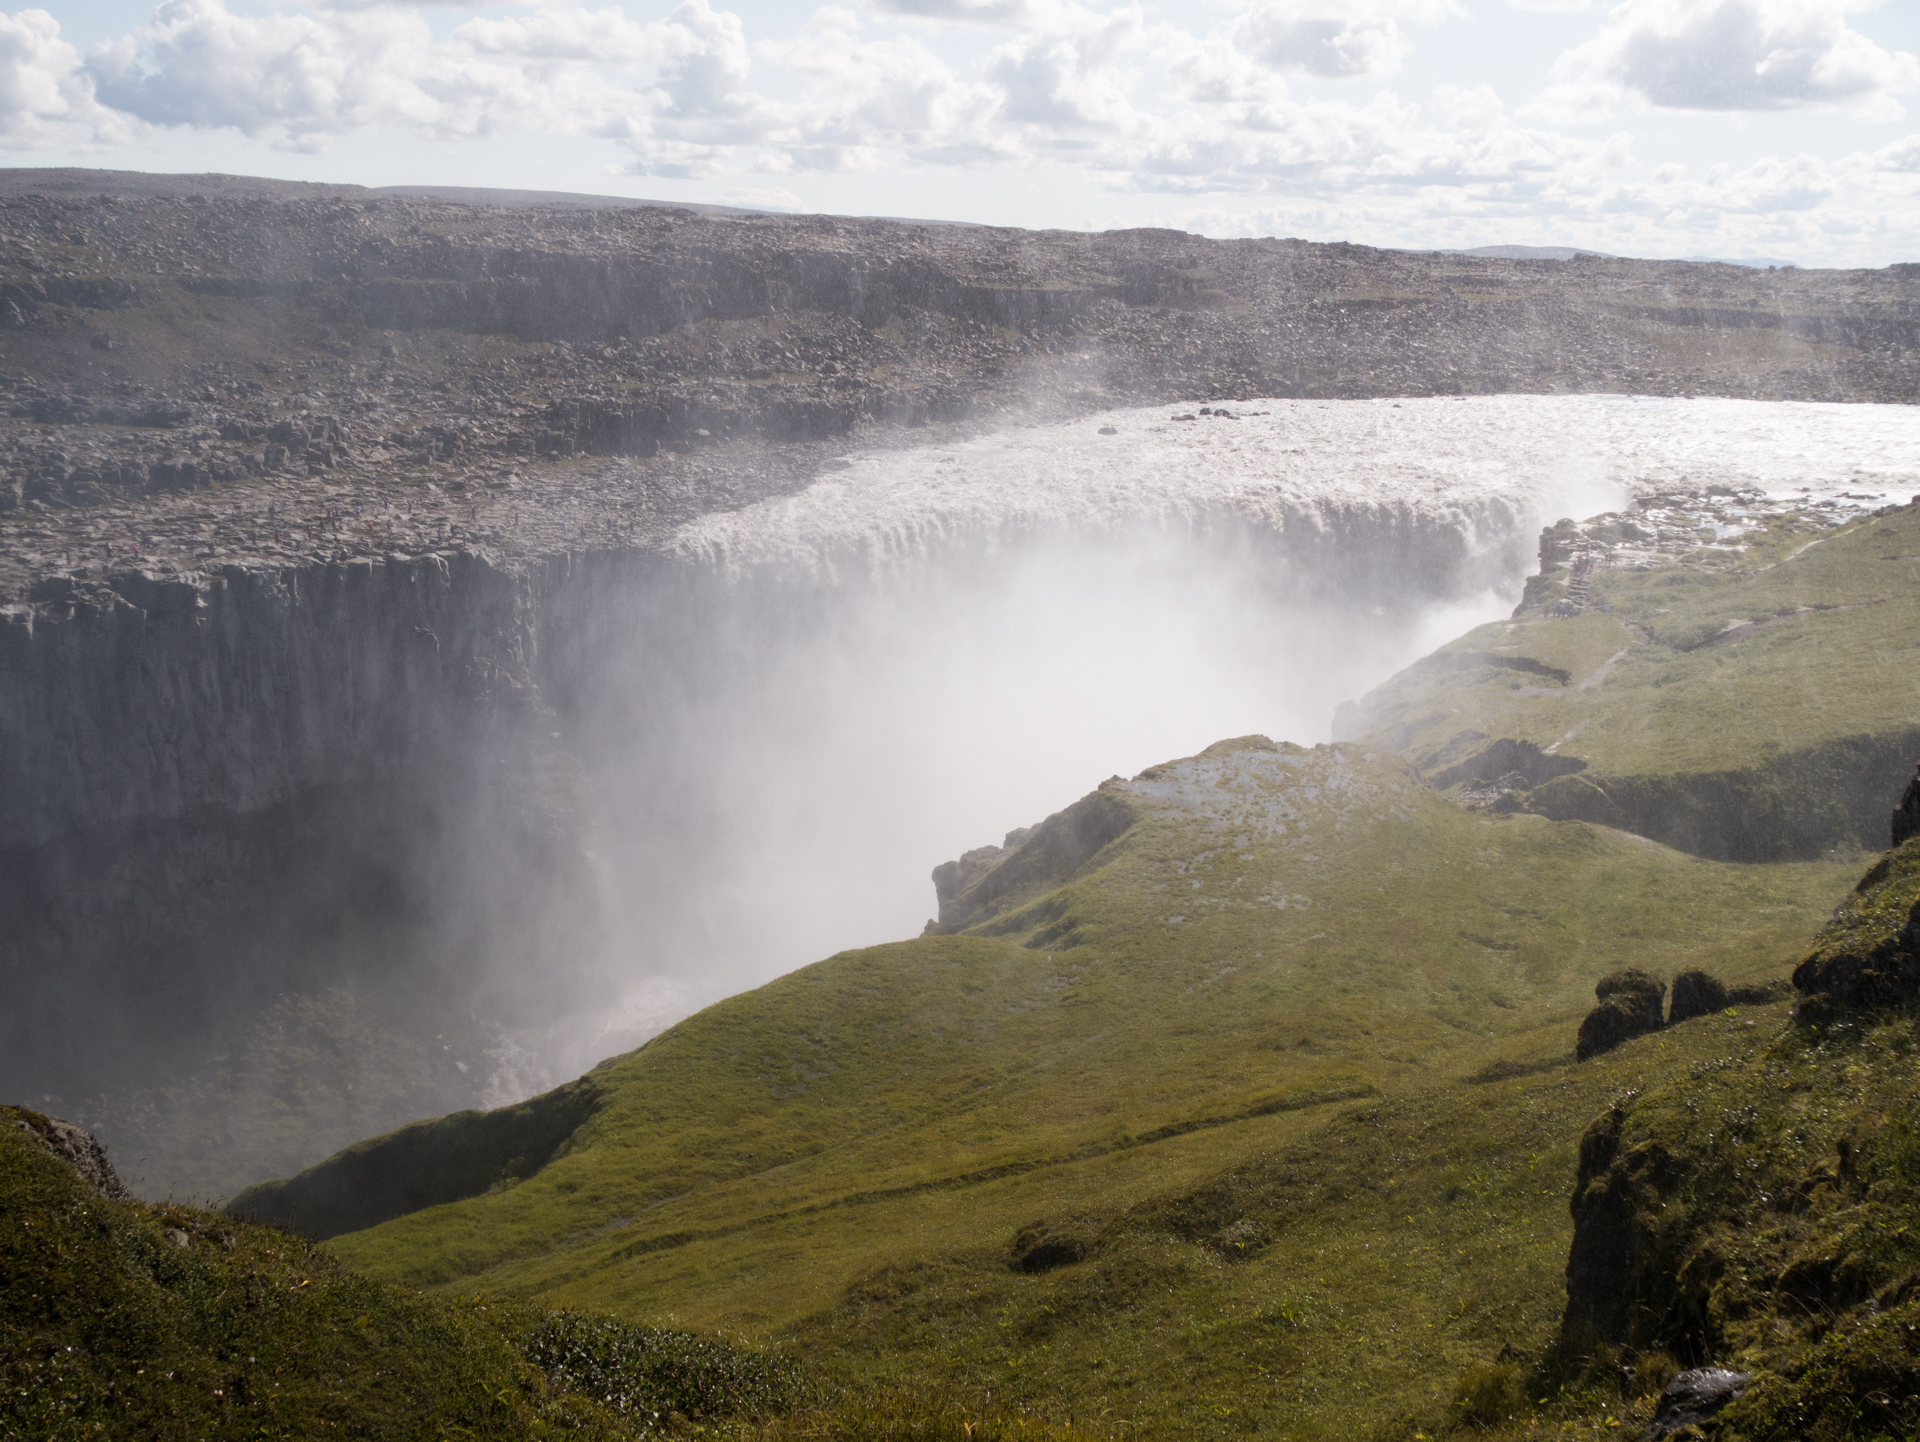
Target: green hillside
<point x="1754" y="1213"/>
<point x="1239" y="1098"/>
<point x="119" y="1319"/>
<point x="1301" y="970"/>
<point x="1753" y="699"/>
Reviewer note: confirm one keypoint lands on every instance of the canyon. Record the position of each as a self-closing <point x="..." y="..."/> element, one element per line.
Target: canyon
<point x="323" y="510"/>
<point x="469" y="657"/>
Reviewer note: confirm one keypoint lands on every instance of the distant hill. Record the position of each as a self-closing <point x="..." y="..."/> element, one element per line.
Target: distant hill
<point x="1528" y="252"/>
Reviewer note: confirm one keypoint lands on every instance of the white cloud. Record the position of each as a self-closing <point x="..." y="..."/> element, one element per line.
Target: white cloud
<point x="1902" y="156"/>
<point x="1739" y="55"/>
<point x="1071" y="83"/>
<point x="1332" y="40"/>
<point x="866" y="101"/>
<point x="43" y="94"/>
<point x="1002" y="14"/>
<point x="605" y="37"/>
<point x="762" y="198"/>
<point x="1223" y="107"/>
<point x="305" y="77"/>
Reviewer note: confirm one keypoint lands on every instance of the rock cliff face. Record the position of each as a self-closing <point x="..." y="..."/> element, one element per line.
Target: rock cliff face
<point x="246" y="329"/>
<point x="144" y="697"/>
<point x="219" y="785"/>
<point x="224" y="784"/>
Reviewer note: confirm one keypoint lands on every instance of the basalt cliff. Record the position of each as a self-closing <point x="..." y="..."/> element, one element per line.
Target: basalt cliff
<point x="318" y="506"/>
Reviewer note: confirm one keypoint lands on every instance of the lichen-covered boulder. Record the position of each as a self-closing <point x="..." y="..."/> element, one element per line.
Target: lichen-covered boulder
<point x="1630" y="1005"/>
<point x="1696" y="993"/>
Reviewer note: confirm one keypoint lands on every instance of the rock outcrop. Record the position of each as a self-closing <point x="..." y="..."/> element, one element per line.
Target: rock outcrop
<point x="1868" y="958"/>
<point x="1755" y="1206"/>
<point x="987" y="880"/>
<point x="1630" y="1006"/>
<point x="1059" y="1242"/>
<point x="1696" y="993"/>
<point x="75" y="1146"/>
<point x="1906" y="816"/>
<point x="1691" y="1400"/>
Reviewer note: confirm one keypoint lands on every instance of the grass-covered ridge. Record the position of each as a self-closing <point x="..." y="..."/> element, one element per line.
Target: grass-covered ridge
<point x="1301" y="1001"/>
<point x="121" y="1319"/>
<point x="1755" y="1212"/>
<point x="1240" y="1097"/>
<point x="1753" y="704"/>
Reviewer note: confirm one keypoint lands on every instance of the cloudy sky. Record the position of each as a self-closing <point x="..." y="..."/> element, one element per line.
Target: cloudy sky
<point x="1774" y="129"/>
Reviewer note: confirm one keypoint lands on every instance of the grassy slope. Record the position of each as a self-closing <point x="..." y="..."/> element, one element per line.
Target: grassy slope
<point x="1754" y="1210"/>
<point x="124" y="1320"/>
<point x="799" y="1160"/>
<point x="1662" y="689"/>
<point x="108" y="1325"/>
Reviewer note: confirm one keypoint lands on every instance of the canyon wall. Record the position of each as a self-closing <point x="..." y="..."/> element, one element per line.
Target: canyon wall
<point x="214" y="787"/>
<point x="218" y="786"/>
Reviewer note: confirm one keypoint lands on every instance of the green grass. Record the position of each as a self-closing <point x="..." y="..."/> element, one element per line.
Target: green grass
<point x="1757" y="1210"/>
<point x="1282" y="1077"/>
<point x="126" y="1320"/>
<point x="1757" y="744"/>
<point x="1374" y="1077"/>
<point x="122" y="1319"/>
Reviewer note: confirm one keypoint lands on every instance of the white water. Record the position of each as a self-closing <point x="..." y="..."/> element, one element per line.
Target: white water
<point x="1571" y="455"/>
<point x="929" y="647"/>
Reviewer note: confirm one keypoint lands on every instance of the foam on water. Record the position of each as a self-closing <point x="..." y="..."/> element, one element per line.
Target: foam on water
<point x="1568" y="455"/>
<point x="925" y="648"/>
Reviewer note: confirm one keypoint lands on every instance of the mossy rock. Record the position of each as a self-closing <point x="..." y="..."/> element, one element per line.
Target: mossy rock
<point x="1630" y="1006"/>
<point x="1869" y="955"/>
<point x="1044" y="1245"/>
<point x="1696" y="993"/>
<point x="1757" y="1212"/>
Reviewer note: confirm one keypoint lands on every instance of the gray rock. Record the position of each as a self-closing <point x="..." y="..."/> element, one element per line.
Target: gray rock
<point x="78" y="1148"/>
<point x="1694" y="1397"/>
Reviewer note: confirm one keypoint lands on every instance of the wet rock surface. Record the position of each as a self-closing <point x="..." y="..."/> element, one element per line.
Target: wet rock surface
<point x="1692" y="1398"/>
